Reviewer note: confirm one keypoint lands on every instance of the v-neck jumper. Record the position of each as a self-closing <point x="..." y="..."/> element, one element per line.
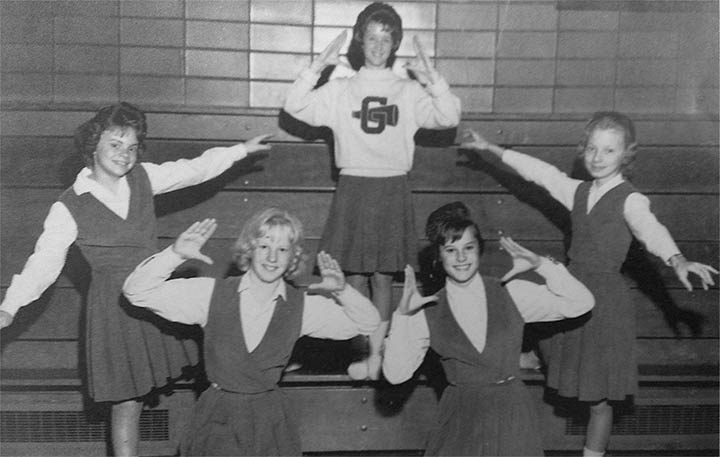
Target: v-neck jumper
<point x="128" y="351"/>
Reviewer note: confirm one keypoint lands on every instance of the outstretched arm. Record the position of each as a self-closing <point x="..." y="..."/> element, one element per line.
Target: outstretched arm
<point x="657" y="240"/>
<point x="480" y="143"/>
<point x="179" y="300"/>
<point x="169" y="176"/>
<point x="43" y="266"/>
<point x="557" y="183"/>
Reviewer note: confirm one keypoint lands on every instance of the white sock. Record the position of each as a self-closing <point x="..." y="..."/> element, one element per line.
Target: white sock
<point x="590" y="453"/>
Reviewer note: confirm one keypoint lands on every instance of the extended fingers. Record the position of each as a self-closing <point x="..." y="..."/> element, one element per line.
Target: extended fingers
<point x="206" y="227"/>
<point x="704" y="272"/>
<point x="338" y="42"/>
<point x="333" y="49"/>
<point x="327" y="263"/>
<point x="510" y="246"/>
<point x="422" y="55"/>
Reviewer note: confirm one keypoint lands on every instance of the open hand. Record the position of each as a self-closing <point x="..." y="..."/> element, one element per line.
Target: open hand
<point x="189" y="243"/>
<point x="255" y="144"/>
<point x="333" y="279"/>
<point x="523" y="258"/>
<point x="5" y="319"/>
<point x="477" y="141"/>
<point x="683" y="268"/>
<point x="411" y="299"/>
<point x="421" y="65"/>
<point x="330" y="55"/>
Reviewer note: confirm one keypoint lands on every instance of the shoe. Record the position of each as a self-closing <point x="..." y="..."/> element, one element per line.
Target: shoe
<point x="530" y="361"/>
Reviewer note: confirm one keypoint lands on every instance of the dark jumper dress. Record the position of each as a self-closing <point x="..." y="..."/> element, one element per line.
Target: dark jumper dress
<point x="486" y="409"/>
<point x="244" y="412"/>
<point x="596" y="360"/>
<point x="129" y="350"/>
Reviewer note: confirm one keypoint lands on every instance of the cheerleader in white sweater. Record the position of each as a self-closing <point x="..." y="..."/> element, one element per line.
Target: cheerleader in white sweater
<point x="374" y="116"/>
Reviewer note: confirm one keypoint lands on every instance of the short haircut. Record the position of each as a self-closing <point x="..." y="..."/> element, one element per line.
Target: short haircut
<point x="445" y="225"/>
<point x="121" y="115"/>
<point x="612" y="120"/>
<point x="454" y="209"/>
<point x="258" y="226"/>
<point x="381" y="13"/>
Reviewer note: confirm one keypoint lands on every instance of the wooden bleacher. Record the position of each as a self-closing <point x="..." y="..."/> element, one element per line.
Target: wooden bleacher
<point x="44" y="410"/>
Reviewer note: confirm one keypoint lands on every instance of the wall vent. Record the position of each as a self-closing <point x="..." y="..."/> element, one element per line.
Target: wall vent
<point x="72" y="426"/>
<point x="658" y="420"/>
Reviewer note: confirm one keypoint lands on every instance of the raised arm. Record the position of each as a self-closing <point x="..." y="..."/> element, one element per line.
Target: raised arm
<point x="557" y="183"/>
<point x="310" y="105"/>
<point x="562" y="295"/>
<point x="43" y="266"/>
<point x="169" y="176"/>
<point x="323" y="318"/>
<point x="179" y="300"/>
<point x="441" y="109"/>
<point x="409" y="336"/>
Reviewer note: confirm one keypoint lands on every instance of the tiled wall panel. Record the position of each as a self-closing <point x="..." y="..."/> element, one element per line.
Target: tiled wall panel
<point x="152" y="32"/>
<point x="27" y="58"/>
<point x="222" y="35"/>
<point x="503" y="56"/>
<point x="156" y="61"/>
<point x="85" y="88"/>
<point x="282" y="11"/>
<point x="27" y="87"/>
<point x="153" y="8"/>
<point x="86" y="59"/>
<point x="149" y="89"/>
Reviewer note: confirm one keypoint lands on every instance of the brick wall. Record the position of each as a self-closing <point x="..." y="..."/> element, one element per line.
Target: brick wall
<point x="528" y="57"/>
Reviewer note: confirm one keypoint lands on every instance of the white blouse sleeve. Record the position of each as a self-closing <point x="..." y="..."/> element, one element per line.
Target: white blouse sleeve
<point x="644" y="225"/>
<point x="46" y="262"/>
<point x="169" y="176"/>
<point x="184" y="300"/>
<point x="405" y="346"/>
<point x="562" y="296"/>
<point x="324" y="317"/>
<point x="558" y="184"/>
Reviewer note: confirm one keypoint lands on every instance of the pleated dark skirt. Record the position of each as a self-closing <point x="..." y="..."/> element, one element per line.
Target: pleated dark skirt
<point x="371" y="225"/>
<point x="486" y="420"/>
<point x="596" y="360"/>
<point x="236" y="424"/>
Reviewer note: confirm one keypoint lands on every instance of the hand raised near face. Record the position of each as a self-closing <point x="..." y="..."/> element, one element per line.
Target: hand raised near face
<point x="523" y="259"/>
<point x="333" y="279"/>
<point x="421" y="65"/>
<point x="411" y="299"/>
<point x="189" y="243"/>
<point x="330" y="55"/>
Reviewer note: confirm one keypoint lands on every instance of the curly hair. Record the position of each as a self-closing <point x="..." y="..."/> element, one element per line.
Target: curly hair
<point x="121" y="115"/>
<point x="381" y="13"/>
<point x="258" y="226"/>
<point x="612" y="120"/>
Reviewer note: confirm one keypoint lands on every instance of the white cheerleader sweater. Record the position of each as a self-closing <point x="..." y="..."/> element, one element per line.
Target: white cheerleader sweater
<point x="374" y="115"/>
